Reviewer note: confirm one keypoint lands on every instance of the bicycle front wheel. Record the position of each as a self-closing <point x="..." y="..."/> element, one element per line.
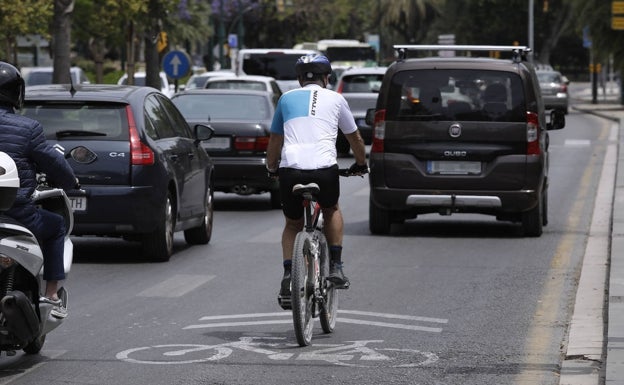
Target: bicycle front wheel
<point x="302" y="283"/>
<point x="329" y="309"/>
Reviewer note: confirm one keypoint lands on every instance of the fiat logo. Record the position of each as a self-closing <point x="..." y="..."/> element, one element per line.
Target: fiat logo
<point x="455" y="130"/>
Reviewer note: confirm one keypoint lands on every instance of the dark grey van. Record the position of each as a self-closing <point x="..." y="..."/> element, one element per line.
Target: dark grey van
<point x="460" y="135"/>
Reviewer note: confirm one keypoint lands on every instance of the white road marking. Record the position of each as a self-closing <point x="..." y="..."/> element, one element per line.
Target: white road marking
<point x="340" y="319"/>
<point x="577" y="143"/>
<point x="176" y="286"/>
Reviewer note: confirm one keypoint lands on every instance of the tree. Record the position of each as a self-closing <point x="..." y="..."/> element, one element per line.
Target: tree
<point x="22" y="18"/>
<point x="61" y="40"/>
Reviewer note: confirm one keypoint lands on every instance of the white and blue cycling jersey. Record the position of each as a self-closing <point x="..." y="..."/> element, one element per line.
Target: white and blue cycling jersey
<point x="309" y="119"/>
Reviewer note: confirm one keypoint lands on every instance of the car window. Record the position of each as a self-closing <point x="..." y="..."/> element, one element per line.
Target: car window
<point x="220" y="106"/>
<point x="39" y="77"/>
<point x="237" y="85"/>
<point x="90" y="121"/>
<point x="179" y="124"/>
<point x="472" y="95"/>
<point x="361" y="83"/>
<point x="159" y="118"/>
<point x="549" y="77"/>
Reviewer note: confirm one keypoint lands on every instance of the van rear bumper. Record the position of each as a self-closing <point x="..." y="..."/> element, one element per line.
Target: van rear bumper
<point x="484" y="202"/>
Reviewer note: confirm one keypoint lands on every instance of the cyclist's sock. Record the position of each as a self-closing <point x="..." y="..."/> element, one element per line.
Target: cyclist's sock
<point x="287" y="264"/>
<point x="335" y="253"/>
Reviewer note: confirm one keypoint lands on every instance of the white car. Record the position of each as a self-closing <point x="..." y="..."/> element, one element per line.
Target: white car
<point x="139" y="80"/>
<point x="34" y="76"/>
<point x="199" y="80"/>
<point x="246" y="82"/>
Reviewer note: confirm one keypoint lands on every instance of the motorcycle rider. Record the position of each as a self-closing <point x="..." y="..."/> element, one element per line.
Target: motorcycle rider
<point x="23" y="140"/>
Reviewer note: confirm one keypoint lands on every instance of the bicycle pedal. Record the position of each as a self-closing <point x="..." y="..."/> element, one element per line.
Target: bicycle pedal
<point x="284" y="302"/>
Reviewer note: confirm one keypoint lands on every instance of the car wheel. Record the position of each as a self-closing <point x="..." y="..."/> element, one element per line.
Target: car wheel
<point x="378" y="219"/>
<point x="276" y="202"/>
<point x="201" y="235"/>
<point x="532" y="220"/>
<point x="545" y="208"/>
<point x="158" y="245"/>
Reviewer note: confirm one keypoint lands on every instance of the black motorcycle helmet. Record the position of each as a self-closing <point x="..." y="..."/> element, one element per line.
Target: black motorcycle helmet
<point x="11" y="85"/>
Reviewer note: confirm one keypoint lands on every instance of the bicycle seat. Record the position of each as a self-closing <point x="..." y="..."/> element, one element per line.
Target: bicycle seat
<point x="300" y="189"/>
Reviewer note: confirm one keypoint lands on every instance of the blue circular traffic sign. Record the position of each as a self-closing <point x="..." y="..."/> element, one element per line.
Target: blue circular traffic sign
<point x="176" y="64"/>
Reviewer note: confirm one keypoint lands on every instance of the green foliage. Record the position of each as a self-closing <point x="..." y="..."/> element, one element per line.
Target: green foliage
<point x="22" y="18"/>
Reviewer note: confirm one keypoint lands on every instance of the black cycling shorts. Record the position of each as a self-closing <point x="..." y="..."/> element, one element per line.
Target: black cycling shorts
<point x="326" y="178"/>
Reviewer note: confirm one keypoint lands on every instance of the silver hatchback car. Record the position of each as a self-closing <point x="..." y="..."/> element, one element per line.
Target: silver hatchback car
<point x="554" y="88"/>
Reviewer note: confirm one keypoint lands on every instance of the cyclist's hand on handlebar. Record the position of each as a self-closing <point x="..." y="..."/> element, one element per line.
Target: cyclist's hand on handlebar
<point x="358" y="169"/>
<point x="272" y="174"/>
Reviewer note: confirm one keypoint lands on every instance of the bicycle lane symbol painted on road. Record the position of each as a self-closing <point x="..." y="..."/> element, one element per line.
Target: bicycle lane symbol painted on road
<point x="351" y="353"/>
<point x="363" y="353"/>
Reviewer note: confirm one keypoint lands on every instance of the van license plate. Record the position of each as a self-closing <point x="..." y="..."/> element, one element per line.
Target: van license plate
<point x="452" y="167"/>
<point x="78" y="203"/>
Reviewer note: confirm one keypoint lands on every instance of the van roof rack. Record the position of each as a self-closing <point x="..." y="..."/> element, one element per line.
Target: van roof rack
<point x="519" y="51"/>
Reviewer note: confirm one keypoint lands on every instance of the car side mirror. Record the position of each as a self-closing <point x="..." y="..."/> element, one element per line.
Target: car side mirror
<point x="557" y="120"/>
<point x="203" y="132"/>
<point x="370" y="116"/>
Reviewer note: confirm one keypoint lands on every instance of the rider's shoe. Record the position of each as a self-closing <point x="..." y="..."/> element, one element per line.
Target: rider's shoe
<point x="58" y="310"/>
<point x="283" y="298"/>
<point x="337" y="277"/>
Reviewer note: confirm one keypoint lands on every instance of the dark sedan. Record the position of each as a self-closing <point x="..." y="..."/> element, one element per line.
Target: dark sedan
<point x="241" y="120"/>
<point x="143" y="168"/>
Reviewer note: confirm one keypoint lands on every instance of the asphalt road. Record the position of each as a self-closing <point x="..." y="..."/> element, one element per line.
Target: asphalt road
<point x="441" y="300"/>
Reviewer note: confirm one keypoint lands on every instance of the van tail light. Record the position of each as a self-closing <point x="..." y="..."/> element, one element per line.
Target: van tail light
<point x="340" y="87"/>
<point x="533" y="134"/>
<point x="140" y="153"/>
<point x="379" y="131"/>
<point x="251" y="143"/>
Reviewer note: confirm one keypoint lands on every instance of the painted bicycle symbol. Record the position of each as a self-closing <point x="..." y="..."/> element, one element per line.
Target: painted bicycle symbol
<point x="351" y="353"/>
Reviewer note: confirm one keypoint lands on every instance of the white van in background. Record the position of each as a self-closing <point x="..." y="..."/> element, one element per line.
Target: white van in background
<point x="278" y="63"/>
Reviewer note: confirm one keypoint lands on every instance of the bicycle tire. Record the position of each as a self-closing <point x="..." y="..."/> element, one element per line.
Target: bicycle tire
<point x="329" y="309"/>
<point x="302" y="292"/>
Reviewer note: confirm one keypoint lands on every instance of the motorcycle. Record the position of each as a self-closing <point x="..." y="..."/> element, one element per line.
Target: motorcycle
<point x="24" y="319"/>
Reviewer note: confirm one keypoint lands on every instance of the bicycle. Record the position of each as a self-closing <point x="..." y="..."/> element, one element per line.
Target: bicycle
<point x="312" y="294"/>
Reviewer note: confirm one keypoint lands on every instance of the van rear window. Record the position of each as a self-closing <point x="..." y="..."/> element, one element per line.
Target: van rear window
<point x="280" y="66"/>
<point x="466" y="95"/>
<point x="86" y="121"/>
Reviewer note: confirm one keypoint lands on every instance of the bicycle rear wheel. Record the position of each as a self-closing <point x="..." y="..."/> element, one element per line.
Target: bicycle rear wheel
<point x="329" y="309"/>
<point x="302" y="295"/>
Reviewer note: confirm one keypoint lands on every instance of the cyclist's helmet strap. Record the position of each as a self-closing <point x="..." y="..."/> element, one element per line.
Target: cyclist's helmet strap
<point x="309" y="65"/>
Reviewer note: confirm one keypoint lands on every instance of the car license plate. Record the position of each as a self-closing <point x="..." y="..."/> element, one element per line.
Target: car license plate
<point x="217" y="143"/>
<point x="453" y="167"/>
<point x="78" y="203"/>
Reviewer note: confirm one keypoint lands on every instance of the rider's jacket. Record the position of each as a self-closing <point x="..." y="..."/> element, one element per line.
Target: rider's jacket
<point x="309" y="119"/>
<point x="23" y="140"/>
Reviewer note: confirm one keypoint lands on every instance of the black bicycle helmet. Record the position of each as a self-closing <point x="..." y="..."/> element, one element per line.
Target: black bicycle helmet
<point x="310" y="65"/>
<point x="11" y="85"/>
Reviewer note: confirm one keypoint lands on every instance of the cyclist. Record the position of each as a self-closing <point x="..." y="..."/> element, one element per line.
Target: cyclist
<point x="23" y="140"/>
<point x="302" y="149"/>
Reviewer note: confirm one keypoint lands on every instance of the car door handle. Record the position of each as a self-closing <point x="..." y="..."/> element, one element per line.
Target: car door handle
<point x="173" y="157"/>
<point x="191" y="155"/>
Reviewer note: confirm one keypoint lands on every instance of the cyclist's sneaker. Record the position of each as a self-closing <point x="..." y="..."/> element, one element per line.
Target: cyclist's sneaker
<point x="283" y="298"/>
<point x="337" y="277"/>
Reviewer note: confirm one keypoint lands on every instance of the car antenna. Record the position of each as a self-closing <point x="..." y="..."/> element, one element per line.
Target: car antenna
<point x="72" y="90"/>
